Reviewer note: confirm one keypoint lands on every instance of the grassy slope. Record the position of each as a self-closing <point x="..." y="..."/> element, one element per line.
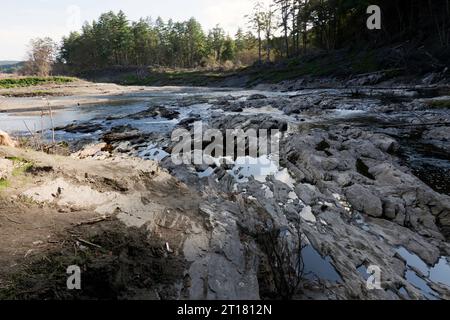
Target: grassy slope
<point x="395" y="61"/>
<point x="338" y="64"/>
<point x="32" y="81"/>
<point x="174" y="77"/>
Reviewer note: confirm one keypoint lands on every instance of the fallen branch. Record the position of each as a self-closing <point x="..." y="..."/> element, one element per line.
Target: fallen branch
<point x="93" y="221"/>
<point x="89" y="243"/>
<point x="51" y="120"/>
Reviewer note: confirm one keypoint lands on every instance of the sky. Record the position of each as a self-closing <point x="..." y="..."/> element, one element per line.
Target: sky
<point x="23" y="20"/>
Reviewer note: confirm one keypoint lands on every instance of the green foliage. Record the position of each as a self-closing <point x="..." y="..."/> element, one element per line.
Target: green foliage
<point x="33" y="81"/>
<point x="365" y="63"/>
<point x="177" y="77"/>
<point x="338" y="64"/>
<point x="20" y="165"/>
<point x="4" y="184"/>
<point x="337" y="24"/>
<point x="216" y="41"/>
<point x="440" y="104"/>
<point x="10" y="67"/>
<point x="229" y="50"/>
<point x="112" y="40"/>
<point x="292" y="28"/>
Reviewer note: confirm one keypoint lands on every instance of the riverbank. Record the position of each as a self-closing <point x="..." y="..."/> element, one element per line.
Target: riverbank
<point x="60" y="95"/>
<point x="354" y="181"/>
<point x="81" y="204"/>
<point x="400" y="65"/>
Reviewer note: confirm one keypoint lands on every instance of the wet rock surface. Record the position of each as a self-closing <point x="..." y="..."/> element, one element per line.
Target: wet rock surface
<point x="349" y="182"/>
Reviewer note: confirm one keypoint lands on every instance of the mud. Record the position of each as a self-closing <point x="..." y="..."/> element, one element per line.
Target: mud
<point x="117" y="263"/>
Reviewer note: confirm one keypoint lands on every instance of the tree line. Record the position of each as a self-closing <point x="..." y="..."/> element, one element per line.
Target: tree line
<point x="284" y="29"/>
<point x="336" y="24"/>
<point x="113" y="40"/>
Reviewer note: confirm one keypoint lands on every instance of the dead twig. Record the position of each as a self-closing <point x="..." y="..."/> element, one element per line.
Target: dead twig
<point x="42" y="128"/>
<point x="89" y="243"/>
<point x="51" y="121"/>
<point x="12" y="220"/>
<point x="32" y="135"/>
<point x="93" y="221"/>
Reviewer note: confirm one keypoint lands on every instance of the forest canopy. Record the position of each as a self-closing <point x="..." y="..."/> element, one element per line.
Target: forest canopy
<point x="113" y="40"/>
<point x="287" y="28"/>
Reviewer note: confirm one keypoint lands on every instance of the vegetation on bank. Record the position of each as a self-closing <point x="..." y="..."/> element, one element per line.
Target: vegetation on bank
<point x="10" y="67"/>
<point x="9" y="83"/>
<point x="21" y="166"/>
<point x="4" y="184"/>
<point x="113" y="41"/>
<point x="287" y="40"/>
<point x="111" y="256"/>
<point x="440" y="104"/>
<point x="178" y="77"/>
<point x="339" y="64"/>
<point x="303" y="26"/>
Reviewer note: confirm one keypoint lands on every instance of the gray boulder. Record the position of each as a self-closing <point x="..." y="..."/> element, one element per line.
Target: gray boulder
<point x="365" y="201"/>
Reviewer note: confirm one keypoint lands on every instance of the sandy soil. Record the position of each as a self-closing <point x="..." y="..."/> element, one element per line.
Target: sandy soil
<point x="60" y="96"/>
<point x="53" y="210"/>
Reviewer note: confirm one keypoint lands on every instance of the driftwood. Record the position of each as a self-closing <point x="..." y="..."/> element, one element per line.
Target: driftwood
<point x="89" y="243"/>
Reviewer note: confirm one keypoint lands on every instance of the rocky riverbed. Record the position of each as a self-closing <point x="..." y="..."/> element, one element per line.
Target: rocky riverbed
<point x="362" y="181"/>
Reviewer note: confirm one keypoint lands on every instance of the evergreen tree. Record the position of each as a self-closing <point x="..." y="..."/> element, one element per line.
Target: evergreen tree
<point x="229" y="50"/>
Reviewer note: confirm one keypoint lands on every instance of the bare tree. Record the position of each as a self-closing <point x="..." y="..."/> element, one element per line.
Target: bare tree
<point x="268" y="23"/>
<point x="257" y="24"/>
<point x="303" y="19"/>
<point x="41" y="56"/>
<point x="285" y="8"/>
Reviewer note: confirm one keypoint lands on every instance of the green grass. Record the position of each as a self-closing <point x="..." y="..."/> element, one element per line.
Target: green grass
<point x="16" y="159"/>
<point x="9" y="83"/>
<point x="34" y="93"/>
<point x="440" y="104"/>
<point x="194" y="78"/>
<point x="4" y="184"/>
<point x="20" y="166"/>
<point x="364" y="63"/>
<point x="334" y="64"/>
<point x="291" y="71"/>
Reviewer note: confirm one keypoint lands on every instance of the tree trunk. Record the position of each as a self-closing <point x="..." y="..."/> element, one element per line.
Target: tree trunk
<point x="286" y="41"/>
<point x="259" y="46"/>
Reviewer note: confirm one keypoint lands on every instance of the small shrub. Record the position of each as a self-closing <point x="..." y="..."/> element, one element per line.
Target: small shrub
<point x="440" y="104"/>
<point x="4" y="184"/>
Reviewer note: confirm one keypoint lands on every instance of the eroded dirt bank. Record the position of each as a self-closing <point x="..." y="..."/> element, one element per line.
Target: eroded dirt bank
<point x="351" y="192"/>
